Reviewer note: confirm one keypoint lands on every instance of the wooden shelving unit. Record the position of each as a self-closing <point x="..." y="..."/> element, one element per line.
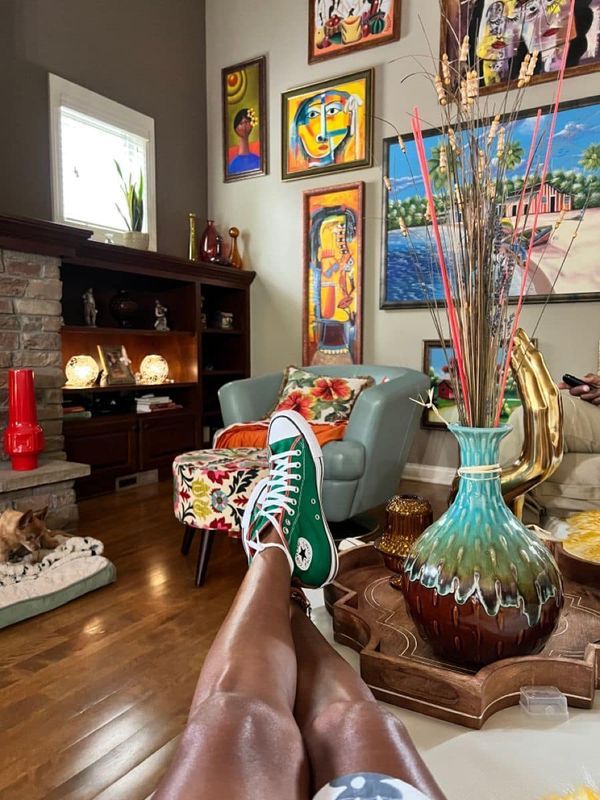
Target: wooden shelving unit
<point x="116" y="441"/>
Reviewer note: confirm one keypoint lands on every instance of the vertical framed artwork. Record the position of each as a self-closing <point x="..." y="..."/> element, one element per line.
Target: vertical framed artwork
<point x="337" y="27"/>
<point x="333" y="274"/>
<point x="501" y="34"/>
<point x="245" y="133"/>
<point x="435" y="364"/>
<point x="328" y="126"/>
<point x="571" y="205"/>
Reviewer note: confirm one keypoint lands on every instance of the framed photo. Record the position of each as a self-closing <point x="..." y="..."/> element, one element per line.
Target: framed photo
<point x="435" y="364"/>
<point x="409" y="272"/>
<point x="337" y="27"/>
<point x="333" y="274"/>
<point x="245" y="129"/>
<point x="503" y="33"/>
<point x="115" y="365"/>
<point x="328" y="126"/>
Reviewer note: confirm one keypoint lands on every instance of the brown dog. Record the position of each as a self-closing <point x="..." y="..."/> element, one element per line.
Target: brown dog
<point x="26" y="532"/>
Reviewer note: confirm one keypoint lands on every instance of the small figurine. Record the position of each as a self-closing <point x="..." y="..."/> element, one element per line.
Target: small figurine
<point x="234" y="254"/>
<point x="219" y="258"/>
<point x="203" y="317"/>
<point x="160" y="312"/>
<point x="90" y="312"/>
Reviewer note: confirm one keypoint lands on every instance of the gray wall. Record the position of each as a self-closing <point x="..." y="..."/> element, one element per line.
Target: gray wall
<point x="270" y="212"/>
<point x="147" y="54"/>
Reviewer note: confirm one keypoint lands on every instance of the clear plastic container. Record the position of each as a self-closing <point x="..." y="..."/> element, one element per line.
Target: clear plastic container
<point x="544" y="701"/>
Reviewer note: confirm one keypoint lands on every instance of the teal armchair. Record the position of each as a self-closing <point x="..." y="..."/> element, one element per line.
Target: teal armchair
<point x="364" y="469"/>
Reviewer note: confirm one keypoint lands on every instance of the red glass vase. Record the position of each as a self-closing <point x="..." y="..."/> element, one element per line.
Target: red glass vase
<point x="208" y="242"/>
<point x="23" y="437"/>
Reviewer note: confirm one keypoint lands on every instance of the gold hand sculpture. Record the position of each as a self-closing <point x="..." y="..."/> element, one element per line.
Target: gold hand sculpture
<point x="542" y="423"/>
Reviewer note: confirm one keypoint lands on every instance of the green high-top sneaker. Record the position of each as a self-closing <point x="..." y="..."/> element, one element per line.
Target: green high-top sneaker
<point x="290" y="500"/>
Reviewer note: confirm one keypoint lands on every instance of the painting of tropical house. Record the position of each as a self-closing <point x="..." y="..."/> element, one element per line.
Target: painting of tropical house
<point x="566" y="241"/>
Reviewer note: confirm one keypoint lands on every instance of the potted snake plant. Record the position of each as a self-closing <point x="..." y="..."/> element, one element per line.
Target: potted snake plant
<point x="133" y="193"/>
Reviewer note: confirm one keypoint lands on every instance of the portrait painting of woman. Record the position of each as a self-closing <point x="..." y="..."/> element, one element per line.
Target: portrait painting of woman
<point x="333" y="255"/>
<point x="244" y="120"/>
<point x="328" y="126"/>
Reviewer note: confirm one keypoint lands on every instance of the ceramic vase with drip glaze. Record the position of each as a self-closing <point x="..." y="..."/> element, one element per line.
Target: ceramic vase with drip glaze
<point x="479" y="585"/>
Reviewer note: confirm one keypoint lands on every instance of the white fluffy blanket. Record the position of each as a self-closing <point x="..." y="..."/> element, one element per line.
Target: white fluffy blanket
<point x="71" y="549"/>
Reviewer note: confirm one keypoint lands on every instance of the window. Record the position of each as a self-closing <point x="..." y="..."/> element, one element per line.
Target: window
<point x="88" y="134"/>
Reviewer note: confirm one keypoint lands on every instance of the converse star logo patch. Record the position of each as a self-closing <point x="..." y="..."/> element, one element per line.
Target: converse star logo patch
<point x="304" y="554"/>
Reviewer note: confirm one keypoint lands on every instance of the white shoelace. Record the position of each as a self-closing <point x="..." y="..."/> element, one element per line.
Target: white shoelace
<point x="276" y="498"/>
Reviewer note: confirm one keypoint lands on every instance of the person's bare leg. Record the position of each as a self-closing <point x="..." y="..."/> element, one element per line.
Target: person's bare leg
<point x="344" y="729"/>
<point x="241" y="740"/>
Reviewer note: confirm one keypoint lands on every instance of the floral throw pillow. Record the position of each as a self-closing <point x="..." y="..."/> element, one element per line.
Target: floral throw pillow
<point x="319" y="398"/>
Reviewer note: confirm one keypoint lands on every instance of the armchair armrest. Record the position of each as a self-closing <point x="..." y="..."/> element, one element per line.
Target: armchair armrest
<point x="248" y="400"/>
<point x="384" y="421"/>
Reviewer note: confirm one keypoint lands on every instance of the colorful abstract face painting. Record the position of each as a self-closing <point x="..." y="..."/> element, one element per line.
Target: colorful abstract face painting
<point x="244" y="120"/>
<point x="327" y="126"/>
<point x="502" y="32"/>
<point x="337" y="27"/>
<point x="333" y="253"/>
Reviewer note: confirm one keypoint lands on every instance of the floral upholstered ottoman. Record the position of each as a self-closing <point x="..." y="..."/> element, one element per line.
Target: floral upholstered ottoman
<point x="211" y="491"/>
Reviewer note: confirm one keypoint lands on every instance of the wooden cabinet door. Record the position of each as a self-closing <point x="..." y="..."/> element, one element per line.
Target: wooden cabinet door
<point x="108" y="445"/>
<point x="162" y="437"/>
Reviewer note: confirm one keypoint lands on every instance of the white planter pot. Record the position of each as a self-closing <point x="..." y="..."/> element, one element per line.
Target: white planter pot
<point x="135" y="239"/>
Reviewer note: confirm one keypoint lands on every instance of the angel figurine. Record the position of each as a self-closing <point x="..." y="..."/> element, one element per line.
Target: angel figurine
<point x="160" y="312"/>
<point x="90" y="312"/>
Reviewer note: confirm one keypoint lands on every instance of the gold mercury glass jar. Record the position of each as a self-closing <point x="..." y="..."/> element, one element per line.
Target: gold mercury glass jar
<point x="406" y="517"/>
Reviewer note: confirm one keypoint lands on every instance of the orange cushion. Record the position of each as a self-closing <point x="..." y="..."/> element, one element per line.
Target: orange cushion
<point x="254" y="434"/>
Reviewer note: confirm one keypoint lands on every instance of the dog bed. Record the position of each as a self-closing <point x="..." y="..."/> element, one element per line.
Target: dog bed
<point x="74" y="568"/>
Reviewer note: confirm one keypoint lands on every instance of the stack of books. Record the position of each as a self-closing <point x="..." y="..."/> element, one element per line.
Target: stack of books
<point x="150" y="404"/>
<point x="75" y="412"/>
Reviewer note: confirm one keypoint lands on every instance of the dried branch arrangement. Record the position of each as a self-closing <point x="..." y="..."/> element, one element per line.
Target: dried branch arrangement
<point x="480" y="254"/>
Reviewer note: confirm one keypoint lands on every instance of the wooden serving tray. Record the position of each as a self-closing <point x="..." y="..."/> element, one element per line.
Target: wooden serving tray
<point x="400" y="668"/>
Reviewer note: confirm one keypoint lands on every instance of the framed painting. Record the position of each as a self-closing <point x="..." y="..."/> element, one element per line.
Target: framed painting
<point x="571" y="205"/>
<point x="337" y="27"/>
<point x="116" y="365"/>
<point x="245" y="132"/>
<point x="435" y="364"/>
<point x="503" y="33"/>
<point x="328" y="126"/>
<point x="333" y="274"/>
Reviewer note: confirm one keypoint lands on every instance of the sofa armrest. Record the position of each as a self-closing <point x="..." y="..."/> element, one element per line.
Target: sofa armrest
<point x="249" y="400"/>
<point x="384" y="421"/>
<point x="344" y="461"/>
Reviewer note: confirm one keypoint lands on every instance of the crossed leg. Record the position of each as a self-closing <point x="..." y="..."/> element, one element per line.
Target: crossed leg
<point x="241" y="739"/>
<point x="344" y="730"/>
<point x="244" y="737"/>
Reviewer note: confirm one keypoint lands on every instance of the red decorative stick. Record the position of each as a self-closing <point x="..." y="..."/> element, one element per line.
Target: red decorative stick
<point x="454" y="332"/>
<point x="515" y="327"/>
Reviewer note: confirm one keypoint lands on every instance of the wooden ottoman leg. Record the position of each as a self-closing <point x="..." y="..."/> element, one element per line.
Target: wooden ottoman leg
<point x="205" y="546"/>
<point x="188" y="536"/>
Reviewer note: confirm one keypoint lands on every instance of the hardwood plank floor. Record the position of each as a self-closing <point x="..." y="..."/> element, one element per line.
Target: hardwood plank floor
<point x="94" y="695"/>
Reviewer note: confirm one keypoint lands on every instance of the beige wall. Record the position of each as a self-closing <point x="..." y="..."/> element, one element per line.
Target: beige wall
<point x="269" y="211"/>
<point x="147" y="55"/>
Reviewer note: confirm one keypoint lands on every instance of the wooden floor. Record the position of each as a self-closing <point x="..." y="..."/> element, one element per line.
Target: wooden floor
<point x="94" y="695"/>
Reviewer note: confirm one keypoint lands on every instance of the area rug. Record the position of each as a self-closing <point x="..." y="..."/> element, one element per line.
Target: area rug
<point x="74" y="568"/>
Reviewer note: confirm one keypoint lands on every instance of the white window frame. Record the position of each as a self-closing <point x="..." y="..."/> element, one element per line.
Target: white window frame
<point x="64" y="93"/>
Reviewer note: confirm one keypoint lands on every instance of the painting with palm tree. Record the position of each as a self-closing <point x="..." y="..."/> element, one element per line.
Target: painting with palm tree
<point x="570" y="204"/>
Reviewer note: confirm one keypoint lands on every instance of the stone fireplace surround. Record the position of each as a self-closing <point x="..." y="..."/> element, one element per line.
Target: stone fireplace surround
<point x="30" y="323"/>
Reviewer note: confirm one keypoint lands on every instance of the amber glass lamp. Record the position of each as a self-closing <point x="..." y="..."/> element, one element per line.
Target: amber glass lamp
<point x="406" y="517"/>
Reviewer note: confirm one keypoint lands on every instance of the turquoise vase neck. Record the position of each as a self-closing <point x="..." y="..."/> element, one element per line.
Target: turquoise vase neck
<point x="479" y="447"/>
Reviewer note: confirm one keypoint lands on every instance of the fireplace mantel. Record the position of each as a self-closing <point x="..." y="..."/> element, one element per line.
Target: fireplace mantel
<point x="40" y="237"/>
